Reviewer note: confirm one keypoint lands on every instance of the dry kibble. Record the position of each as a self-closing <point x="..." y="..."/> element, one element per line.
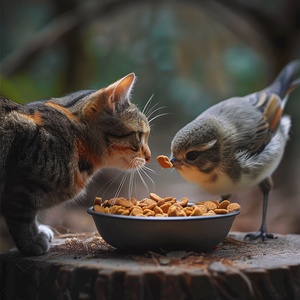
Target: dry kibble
<point x="202" y="208"/>
<point x="233" y="207"/>
<point x="164" y="161"/>
<point x="180" y="213"/>
<point x="155" y="197"/>
<point x="172" y="211"/>
<point x="136" y="212"/>
<point x="209" y="213"/>
<point x="135" y="206"/>
<point x="149" y="214"/>
<point x="168" y="199"/>
<point x="172" y="201"/>
<point x="97" y="201"/>
<point x="220" y="211"/>
<point x="161" y="202"/>
<point x="158" y="210"/>
<point x="148" y="201"/>
<point x="224" y="204"/>
<point x="210" y="205"/>
<point x="105" y="204"/>
<point x="133" y="201"/>
<point x="101" y="209"/>
<point x="151" y="206"/>
<point x="184" y="201"/>
<point x="121" y="202"/>
<point x="114" y="209"/>
<point x="165" y="207"/>
<point x="188" y="210"/>
<point x="156" y="206"/>
<point x="196" y="212"/>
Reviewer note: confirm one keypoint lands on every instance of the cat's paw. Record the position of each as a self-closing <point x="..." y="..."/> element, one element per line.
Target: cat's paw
<point x="40" y="244"/>
<point x="47" y="231"/>
<point x="43" y="240"/>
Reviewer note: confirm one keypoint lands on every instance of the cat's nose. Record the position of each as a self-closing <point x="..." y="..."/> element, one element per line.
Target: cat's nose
<point x="147" y="154"/>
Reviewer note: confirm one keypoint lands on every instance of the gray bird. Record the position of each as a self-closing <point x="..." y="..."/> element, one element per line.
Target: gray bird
<point x="238" y="143"/>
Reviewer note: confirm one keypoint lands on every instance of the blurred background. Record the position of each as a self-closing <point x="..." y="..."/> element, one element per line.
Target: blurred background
<point x="188" y="54"/>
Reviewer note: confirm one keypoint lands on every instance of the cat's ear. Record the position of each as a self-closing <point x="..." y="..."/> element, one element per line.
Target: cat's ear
<point x="107" y="98"/>
<point x="120" y="91"/>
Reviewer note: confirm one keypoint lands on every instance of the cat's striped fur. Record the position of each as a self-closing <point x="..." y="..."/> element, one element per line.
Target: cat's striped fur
<point x="50" y="149"/>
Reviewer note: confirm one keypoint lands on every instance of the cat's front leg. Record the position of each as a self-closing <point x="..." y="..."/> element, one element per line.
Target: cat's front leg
<point x="30" y="238"/>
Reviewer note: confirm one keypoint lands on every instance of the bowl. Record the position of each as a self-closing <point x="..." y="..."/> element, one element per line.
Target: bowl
<point x="136" y="234"/>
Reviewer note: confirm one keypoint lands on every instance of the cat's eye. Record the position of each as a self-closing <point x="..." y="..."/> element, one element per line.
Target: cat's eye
<point x="140" y="134"/>
<point x="192" y="155"/>
<point x="121" y="136"/>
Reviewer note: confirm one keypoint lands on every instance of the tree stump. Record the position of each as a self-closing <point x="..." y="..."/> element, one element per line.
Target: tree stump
<point x="83" y="266"/>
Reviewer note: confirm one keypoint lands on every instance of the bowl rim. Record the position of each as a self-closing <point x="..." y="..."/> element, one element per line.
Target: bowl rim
<point x="167" y="219"/>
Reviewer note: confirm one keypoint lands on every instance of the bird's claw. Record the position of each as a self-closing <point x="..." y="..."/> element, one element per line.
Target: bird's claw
<point x="259" y="234"/>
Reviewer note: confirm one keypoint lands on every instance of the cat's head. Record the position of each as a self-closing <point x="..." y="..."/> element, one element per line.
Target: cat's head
<point x="117" y="130"/>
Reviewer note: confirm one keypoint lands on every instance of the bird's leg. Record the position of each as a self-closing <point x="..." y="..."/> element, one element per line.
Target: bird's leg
<point x="222" y="198"/>
<point x="265" y="187"/>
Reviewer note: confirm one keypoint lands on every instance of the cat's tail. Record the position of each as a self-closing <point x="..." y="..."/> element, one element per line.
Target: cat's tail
<point x="7" y="137"/>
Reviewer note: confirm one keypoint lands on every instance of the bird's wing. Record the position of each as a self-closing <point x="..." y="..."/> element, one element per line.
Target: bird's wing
<point x="249" y="121"/>
<point x="270" y="111"/>
<point x="270" y="106"/>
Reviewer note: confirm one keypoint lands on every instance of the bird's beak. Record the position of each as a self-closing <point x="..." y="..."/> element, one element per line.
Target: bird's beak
<point x="175" y="162"/>
<point x="172" y="159"/>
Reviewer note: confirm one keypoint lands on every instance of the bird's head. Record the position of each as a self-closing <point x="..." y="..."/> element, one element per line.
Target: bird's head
<point x="195" y="149"/>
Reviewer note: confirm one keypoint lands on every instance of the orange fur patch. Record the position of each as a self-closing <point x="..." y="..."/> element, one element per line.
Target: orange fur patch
<point x="84" y="153"/>
<point x="81" y="178"/>
<point x="62" y="109"/>
<point x="79" y="181"/>
<point x="119" y="148"/>
<point x="36" y="118"/>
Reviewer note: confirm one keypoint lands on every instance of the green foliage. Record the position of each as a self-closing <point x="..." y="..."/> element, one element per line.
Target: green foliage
<point x="245" y="68"/>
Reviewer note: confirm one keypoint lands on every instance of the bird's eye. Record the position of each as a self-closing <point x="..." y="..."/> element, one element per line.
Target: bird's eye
<point x="193" y="155"/>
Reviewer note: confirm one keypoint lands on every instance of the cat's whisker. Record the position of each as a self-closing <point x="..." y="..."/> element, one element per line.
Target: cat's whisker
<point x="142" y="179"/>
<point x="150" y="110"/>
<point x="143" y="170"/>
<point x="149" y="169"/>
<point x="131" y="183"/>
<point x="144" y="111"/>
<point x="155" y="117"/>
<point x="121" y="185"/>
<point x="107" y="185"/>
<point x="171" y="170"/>
<point x="153" y="110"/>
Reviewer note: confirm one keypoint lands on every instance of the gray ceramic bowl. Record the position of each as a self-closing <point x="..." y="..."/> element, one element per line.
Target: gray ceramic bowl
<point x="130" y="233"/>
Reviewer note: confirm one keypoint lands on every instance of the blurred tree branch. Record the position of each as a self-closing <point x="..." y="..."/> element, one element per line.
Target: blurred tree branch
<point x="275" y="35"/>
<point x="56" y="31"/>
<point x="281" y="28"/>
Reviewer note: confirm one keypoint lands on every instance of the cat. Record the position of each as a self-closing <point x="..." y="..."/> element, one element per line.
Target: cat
<point x="50" y="150"/>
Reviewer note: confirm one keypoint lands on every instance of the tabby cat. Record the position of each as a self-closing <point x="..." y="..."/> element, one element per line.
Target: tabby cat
<point x="50" y="149"/>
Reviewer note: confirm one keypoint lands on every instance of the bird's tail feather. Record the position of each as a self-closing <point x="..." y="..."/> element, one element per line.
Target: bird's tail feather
<point x="285" y="82"/>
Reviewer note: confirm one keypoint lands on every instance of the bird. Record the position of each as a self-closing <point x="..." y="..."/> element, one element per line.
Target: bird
<point x="238" y="143"/>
